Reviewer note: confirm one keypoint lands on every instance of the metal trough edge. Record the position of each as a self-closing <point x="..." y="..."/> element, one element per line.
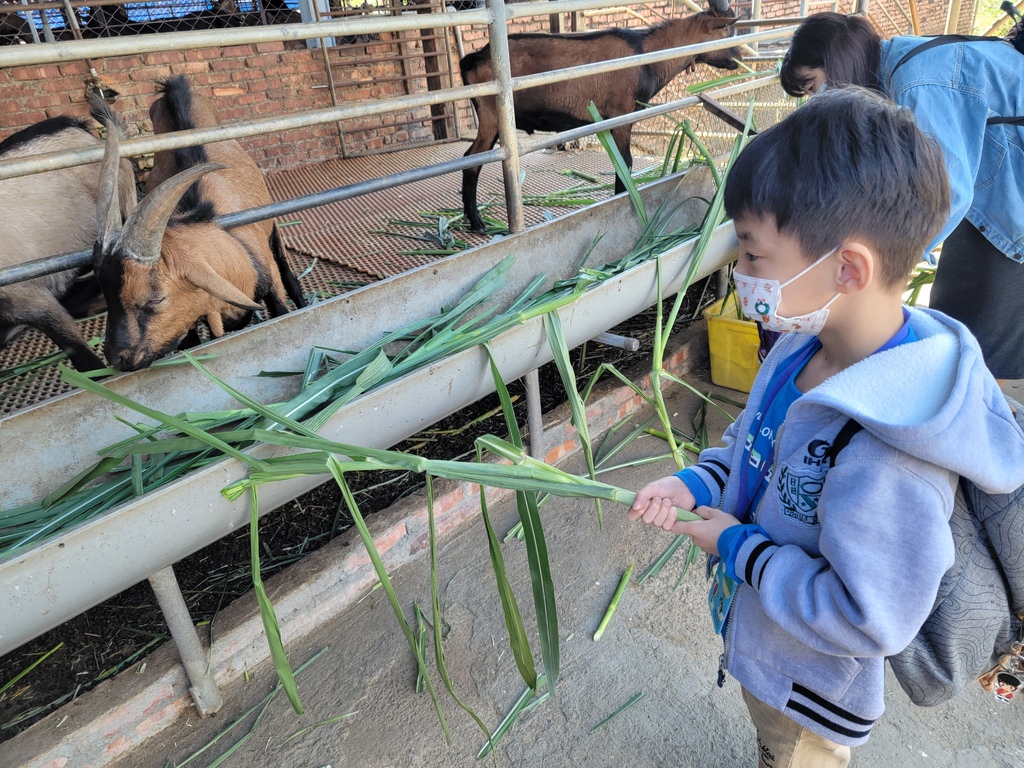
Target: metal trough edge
<point x="62" y="577"/>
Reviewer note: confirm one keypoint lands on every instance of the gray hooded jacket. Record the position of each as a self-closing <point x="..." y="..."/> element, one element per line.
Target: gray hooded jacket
<point x="854" y="555"/>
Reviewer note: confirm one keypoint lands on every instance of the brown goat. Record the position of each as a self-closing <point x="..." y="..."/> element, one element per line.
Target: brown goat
<point x="563" y="106"/>
<point x="47" y="214"/>
<point x="173" y="265"/>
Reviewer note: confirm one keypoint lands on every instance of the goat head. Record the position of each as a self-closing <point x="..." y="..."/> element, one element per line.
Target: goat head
<point x="155" y="283"/>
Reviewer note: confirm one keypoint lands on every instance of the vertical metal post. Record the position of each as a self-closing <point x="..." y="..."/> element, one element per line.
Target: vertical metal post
<point x="755" y="13"/>
<point x="31" y="23"/>
<point x="502" y="67"/>
<point x="723" y="282"/>
<point x="952" y="20"/>
<point x="803" y="7"/>
<point x="203" y="689"/>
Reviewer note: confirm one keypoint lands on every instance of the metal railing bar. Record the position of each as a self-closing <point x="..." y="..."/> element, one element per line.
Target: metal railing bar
<point x="535" y="145"/>
<point x="49" y="265"/>
<point x="613" y="65"/>
<point x="77" y="50"/>
<point x="747" y="23"/>
<point x="143" y="145"/>
<point x="527" y="10"/>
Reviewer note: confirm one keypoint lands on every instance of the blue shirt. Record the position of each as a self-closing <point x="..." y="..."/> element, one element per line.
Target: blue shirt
<point x="780" y="393"/>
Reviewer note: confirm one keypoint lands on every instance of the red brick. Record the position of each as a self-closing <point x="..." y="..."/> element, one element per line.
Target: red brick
<point x="237" y="50"/>
<point x="74" y="68"/>
<point x="36" y="73"/>
<point x="47" y="100"/>
<point x="163" y="57"/>
<point x="202" y="54"/>
<point x="269" y="47"/>
<point x="150" y="74"/>
<point x="190" y="68"/>
<point x="223" y="65"/>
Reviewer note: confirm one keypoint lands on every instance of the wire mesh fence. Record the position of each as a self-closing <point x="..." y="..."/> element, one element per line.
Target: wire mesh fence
<point x="41" y="21"/>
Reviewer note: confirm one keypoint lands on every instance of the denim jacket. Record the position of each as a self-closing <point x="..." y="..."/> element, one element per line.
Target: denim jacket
<point x="952" y="90"/>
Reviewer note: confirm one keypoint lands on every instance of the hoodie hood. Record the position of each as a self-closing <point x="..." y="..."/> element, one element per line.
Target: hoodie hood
<point x="935" y="400"/>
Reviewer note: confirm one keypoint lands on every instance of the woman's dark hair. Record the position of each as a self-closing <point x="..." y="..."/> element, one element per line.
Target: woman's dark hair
<point x="846" y="47"/>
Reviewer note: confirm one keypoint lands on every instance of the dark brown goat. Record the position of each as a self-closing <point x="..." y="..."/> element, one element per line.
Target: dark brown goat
<point x="172" y="264"/>
<point x="562" y="106"/>
<point x="46" y="214"/>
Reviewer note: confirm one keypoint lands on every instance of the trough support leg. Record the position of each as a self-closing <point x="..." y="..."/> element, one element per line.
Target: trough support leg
<point x="203" y="688"/>
<point x="534" y="418"/>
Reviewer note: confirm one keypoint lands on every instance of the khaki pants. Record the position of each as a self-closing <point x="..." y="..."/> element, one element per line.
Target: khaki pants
<point x="783" y="743"/>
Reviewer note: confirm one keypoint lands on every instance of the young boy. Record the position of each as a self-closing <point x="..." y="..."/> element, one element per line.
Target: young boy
<point x="829" y="569"/>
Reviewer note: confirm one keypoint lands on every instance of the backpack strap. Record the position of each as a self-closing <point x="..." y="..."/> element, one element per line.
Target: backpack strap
<point x="947" y="40"/>
<point x="850" y="428"/>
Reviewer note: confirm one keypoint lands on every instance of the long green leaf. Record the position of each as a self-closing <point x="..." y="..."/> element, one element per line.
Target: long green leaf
<point x="382" y="574"/>
<point x="560" y="353"/>
<point x="619" y="163"/>
<point x="267" y="613"/>
<point x="438" y="620"/>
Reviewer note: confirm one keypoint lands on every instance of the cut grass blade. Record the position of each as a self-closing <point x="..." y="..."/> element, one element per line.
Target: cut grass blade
<point x="261" y="706"/>
<point x="10" y="683"/>
<point x="320" y="724"/>
<point x="621" y="169"/>
<point x="438" y="620"/>
<point x="267" y="614"/>
<point x="623" y="583"/>
<point x="337" y="470"/>
<point x="618" y="711"/>
<point x="560" y="353"/>
<point x="517" y="638"/>
<point x="527" y="700"/>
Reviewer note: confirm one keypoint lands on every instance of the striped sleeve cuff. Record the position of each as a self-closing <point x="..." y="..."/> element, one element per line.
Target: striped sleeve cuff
<point x="752" y="558"/>
<point x="701" y="494"/>
<point x="706" y="482"/>
<point x="729" y="543"/>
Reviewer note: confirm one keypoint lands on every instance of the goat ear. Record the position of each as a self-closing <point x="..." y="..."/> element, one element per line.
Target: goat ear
<point x="144" y="230"/>
<point x="201" y="275"/>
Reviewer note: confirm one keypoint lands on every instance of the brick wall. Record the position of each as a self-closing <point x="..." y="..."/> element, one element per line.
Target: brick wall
<point x="244" y="81"/>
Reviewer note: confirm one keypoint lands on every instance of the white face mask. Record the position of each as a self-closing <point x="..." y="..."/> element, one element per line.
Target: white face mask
<point x="760" y="300"/>
<point x="821" y="89"/>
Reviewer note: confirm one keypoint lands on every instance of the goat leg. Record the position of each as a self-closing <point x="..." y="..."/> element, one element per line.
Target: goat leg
<point x="289" y="282"/>
<point x="53" y="320"/>
<point x="486" y="138"/>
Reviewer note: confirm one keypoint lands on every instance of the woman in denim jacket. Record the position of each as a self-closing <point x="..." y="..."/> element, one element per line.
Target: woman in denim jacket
<point x="955" y="90"/>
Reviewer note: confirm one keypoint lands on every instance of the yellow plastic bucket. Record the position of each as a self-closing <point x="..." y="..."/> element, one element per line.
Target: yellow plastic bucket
<point x="734" y="343"/>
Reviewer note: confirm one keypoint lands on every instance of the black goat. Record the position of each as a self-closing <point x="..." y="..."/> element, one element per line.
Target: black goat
<point x="562" y="106"/>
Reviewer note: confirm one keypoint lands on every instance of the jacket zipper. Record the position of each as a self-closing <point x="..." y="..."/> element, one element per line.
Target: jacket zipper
<point x="723" y="664"/>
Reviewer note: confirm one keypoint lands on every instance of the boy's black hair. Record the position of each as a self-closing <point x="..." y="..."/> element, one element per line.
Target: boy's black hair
<point x="848" y="164"/>
<point x="846" y="47"/>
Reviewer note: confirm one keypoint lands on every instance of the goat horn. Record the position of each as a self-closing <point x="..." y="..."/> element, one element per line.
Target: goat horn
<point x="108" y="207"/>
<point x="719" y="6"/>
<point x="144" y="230"/>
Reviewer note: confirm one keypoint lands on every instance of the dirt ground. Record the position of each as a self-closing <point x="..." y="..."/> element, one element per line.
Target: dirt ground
<point x="659" y="643"/>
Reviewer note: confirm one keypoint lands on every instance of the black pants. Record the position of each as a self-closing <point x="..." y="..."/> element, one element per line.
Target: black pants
<point x="983" y="289"/>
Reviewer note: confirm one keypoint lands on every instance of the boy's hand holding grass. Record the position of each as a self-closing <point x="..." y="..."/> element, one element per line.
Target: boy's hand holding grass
<point x="668" y="504"/>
